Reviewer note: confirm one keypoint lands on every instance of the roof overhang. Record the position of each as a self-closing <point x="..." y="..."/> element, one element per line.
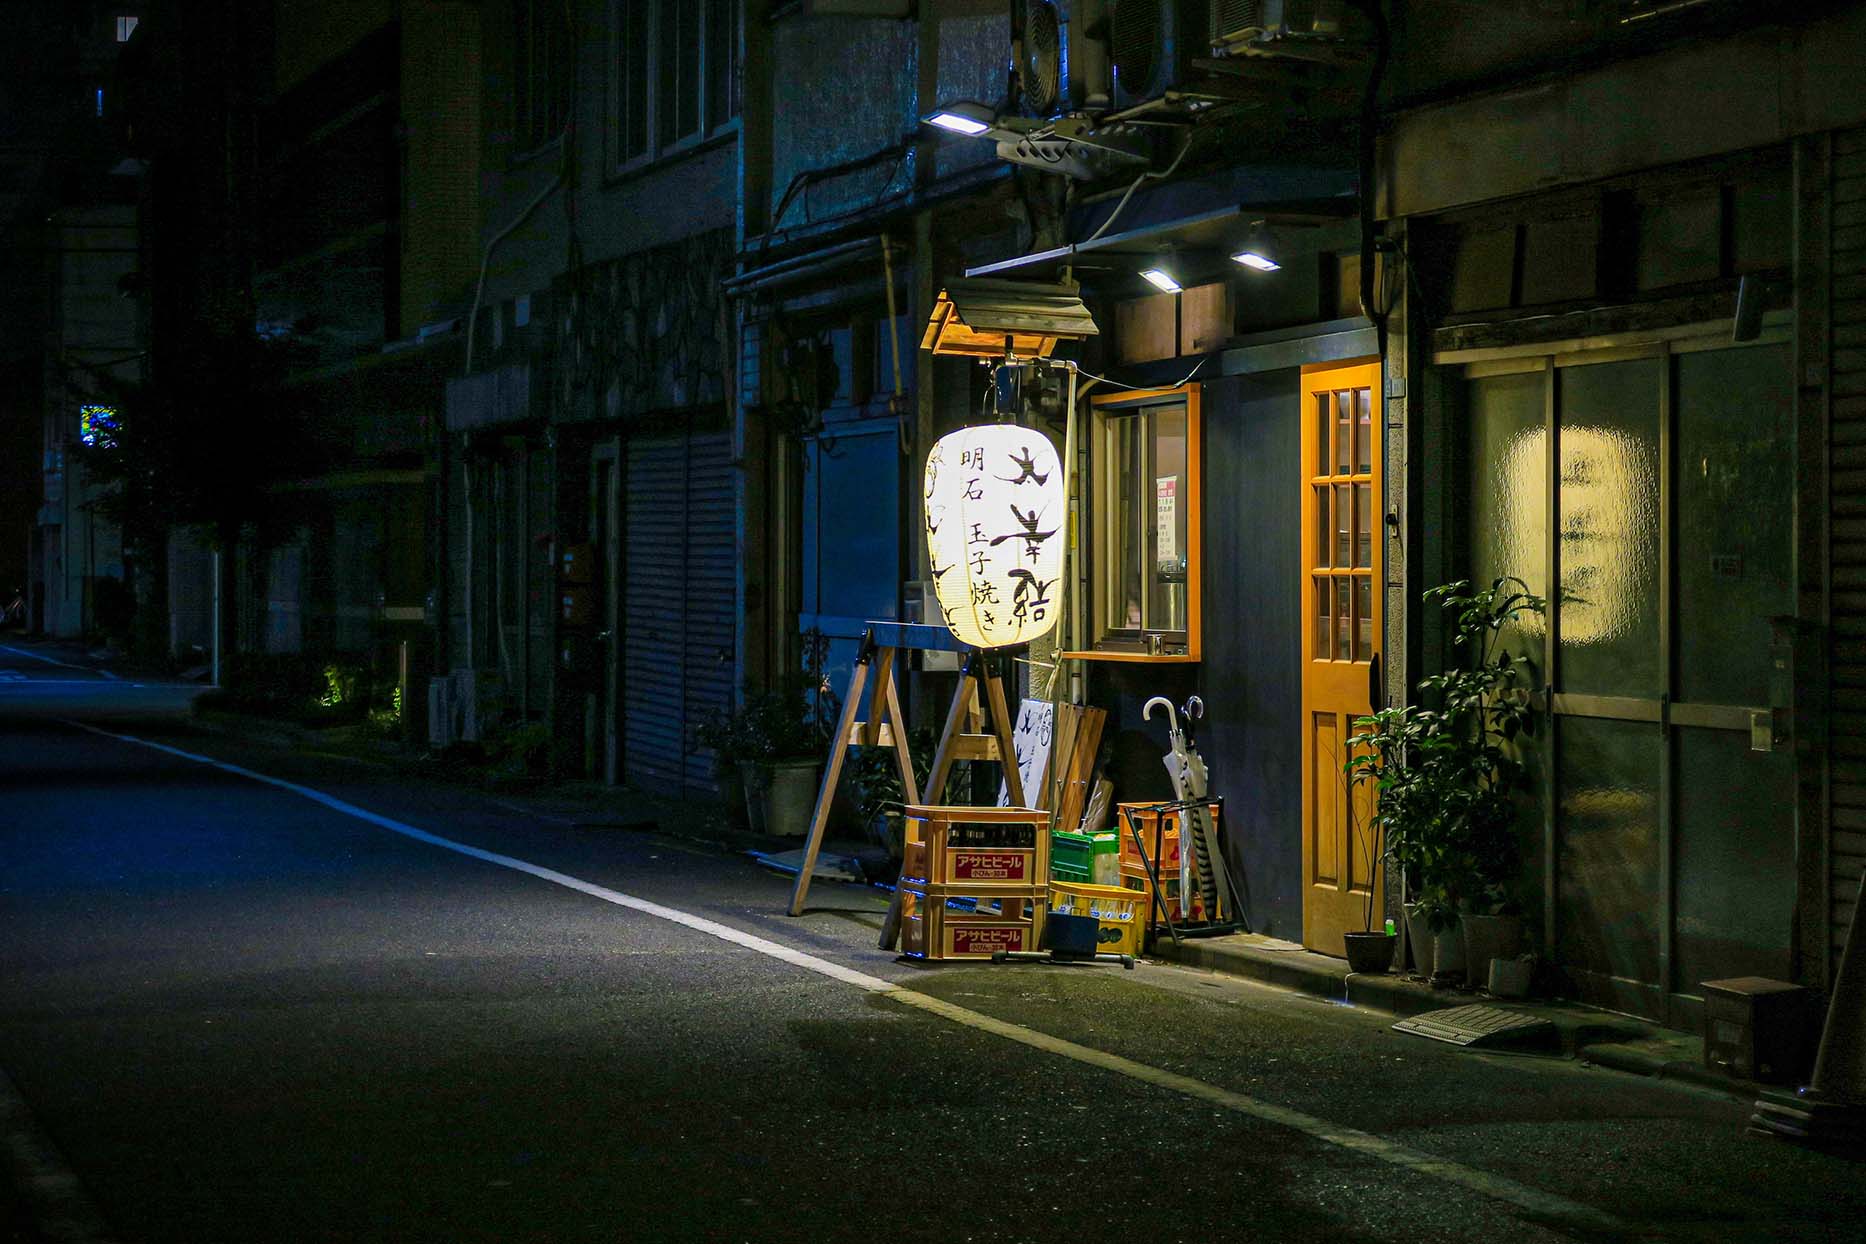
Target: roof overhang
<point x="1200" y="246"/>
<point x="982" y="317"/>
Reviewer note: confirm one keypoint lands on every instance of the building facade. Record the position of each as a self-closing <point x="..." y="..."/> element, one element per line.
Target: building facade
<point x="620" y="311"/>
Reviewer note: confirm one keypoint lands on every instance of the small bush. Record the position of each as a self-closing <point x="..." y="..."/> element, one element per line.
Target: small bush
<point x="300" y="686"/>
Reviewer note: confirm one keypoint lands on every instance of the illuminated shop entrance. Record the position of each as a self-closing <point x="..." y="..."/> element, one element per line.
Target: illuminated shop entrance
<point x="1340" y="644"/>
<point x="1654" y="487"/>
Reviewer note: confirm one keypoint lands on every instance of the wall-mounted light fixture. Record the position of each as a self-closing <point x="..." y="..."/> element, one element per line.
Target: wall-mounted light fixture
<point x="972" y="120"/>
<point x="1258" y="260"/>
<point x="1161" y="280"/>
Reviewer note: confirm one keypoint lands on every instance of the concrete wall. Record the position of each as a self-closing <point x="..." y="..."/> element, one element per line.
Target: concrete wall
<point x="1752" y="89"/>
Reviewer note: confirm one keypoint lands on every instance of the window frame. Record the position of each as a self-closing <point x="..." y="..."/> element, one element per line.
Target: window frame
<point x="1120" y="644"/>
<point x="708" y="128"/>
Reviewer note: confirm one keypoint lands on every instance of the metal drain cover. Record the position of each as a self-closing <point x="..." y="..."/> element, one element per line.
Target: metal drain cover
<point x="1477" y="1025"/>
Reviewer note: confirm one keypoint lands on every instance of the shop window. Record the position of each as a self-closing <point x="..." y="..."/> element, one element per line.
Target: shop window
<point x="675" y="74"/>
<point x="1144" y="515"/>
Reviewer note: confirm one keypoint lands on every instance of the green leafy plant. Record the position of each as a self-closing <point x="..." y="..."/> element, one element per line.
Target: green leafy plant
<point x="521" y="750"/>
<point x="1444" y="769"/>
<point x="791" y="720"/>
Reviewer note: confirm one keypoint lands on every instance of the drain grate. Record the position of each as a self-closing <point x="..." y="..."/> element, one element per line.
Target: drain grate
<point x="1477" y="1025"/>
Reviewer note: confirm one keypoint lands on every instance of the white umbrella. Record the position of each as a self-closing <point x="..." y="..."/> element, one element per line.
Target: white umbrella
<point x="1201" y="862"/>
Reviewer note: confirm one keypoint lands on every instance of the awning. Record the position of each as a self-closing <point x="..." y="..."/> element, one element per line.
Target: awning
<point x="1200" y="245"/>
<point x="985" y="318"/>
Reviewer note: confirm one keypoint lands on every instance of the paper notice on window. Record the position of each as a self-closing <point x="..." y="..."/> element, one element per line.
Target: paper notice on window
<point x="1166" y="519"/>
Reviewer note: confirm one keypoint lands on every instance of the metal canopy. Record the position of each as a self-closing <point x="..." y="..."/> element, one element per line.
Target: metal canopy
<point x="986" y="318"/>
<point x="1212" y="235"/>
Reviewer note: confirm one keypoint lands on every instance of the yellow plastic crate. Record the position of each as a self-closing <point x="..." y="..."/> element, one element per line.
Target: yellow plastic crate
<point x="1120" y="912"/>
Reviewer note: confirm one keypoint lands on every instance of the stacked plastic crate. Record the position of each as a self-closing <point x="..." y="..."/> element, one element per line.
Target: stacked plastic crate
<point x="974" y="881"/>
<point x="1159" y="834"/>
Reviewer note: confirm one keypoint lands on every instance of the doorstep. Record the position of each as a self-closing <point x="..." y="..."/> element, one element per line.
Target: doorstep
<point x="1603" y="1038"/>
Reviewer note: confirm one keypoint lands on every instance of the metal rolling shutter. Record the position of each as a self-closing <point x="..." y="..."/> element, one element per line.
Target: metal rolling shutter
<point x="711" y="592"/>
<point x="678" y="610"/>
<point x="1847" y="502"/>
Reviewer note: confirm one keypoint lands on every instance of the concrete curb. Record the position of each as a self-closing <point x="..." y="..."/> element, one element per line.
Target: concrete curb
<point x="1617" y="1042"/>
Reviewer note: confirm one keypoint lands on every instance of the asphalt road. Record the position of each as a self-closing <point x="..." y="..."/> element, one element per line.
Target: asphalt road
<point x="240" y="1012"/>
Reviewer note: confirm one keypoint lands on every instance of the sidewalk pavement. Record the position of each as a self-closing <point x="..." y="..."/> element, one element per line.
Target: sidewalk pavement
<point x="1606" y="1038"/>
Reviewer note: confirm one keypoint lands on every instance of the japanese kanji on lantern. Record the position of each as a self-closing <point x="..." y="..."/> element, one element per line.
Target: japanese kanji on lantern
<point x="996" y="504"/>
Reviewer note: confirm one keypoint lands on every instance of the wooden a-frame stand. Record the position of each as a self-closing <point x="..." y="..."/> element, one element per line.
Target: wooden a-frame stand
<point x="981" y="684"/>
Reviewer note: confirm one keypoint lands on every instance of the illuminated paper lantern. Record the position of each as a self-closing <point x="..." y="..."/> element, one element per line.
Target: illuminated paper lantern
<point x="996" y="504"/>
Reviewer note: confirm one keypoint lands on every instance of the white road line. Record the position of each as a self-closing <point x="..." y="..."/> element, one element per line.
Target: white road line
<point x="1544" y="1204"/>
<point x="34" y="656"/>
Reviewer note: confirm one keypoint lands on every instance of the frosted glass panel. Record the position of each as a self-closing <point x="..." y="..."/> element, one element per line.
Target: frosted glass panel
<point x="1735" y="541"/>
<point x="1608" y="835"/>
<point x="1508" y="490"/>
<point x="1608" y="516"/>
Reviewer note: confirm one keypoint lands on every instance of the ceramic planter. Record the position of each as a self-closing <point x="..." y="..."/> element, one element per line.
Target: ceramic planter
<point x="1448" y="954"/>
<point x="1370" y="952"/>
<point x="1510" y="978"/>
<point x="789" y="797"/>
<point x="1490" y="937"/>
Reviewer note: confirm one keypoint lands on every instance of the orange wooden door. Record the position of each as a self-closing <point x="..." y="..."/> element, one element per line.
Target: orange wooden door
<point x="1341" y="588"/>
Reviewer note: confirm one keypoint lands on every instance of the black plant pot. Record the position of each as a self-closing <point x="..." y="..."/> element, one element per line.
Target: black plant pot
<point x="1370" y="952"/>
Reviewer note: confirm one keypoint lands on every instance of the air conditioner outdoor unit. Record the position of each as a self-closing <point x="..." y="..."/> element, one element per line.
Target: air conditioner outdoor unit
<point x="1152" y="44"/>
<point x="1267" y="27"/>
<point x="453" y="709"/>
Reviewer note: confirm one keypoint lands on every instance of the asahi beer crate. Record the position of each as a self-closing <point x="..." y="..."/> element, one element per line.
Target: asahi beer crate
<point x="978" y="847"/>
<point x="942" y="922"/>
<point x="1119" y="912"/>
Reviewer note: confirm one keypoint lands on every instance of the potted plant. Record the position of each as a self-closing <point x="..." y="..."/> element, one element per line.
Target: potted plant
<point x="725" y="735"/>
<point x="786" y="732"/>
<point x="1370" y="949"/>
<point x="1446" y="776"/>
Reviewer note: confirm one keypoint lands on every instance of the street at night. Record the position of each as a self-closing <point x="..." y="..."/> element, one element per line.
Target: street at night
<point x="244" y="1014"/>
<point x="969" y="621"/>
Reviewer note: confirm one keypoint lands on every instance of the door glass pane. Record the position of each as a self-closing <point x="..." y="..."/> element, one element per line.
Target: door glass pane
<point x="1344" y="432"/>
<point x="1343" y="622"/>
<point x="1609" y="524"/>
<point x="1608" y="835"/>
<point x="1363" y="432"/>
<point x="1363" y="524"/>
<point x="1364" y="617"/>
<point x="1323" y="530"/>
<point x="1735" y="858"/>
<point x="1508" y="491"/>
<point x="1344" y="526"/>
<point x="1736" y="489"/>
<point x="1322" y="620"/>
<point x="1323" y="419"/>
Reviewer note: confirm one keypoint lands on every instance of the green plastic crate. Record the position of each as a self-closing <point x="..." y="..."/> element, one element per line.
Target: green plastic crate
<point x="1081" y="857"/>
